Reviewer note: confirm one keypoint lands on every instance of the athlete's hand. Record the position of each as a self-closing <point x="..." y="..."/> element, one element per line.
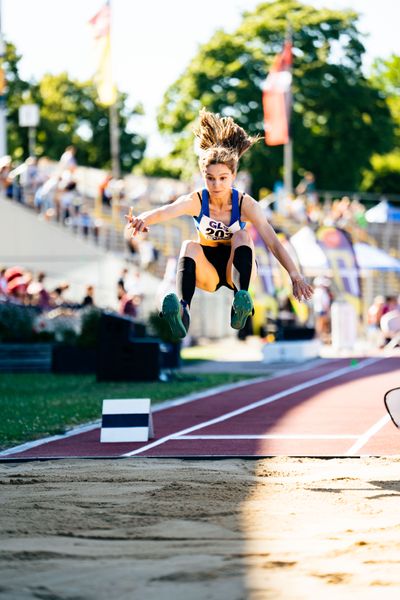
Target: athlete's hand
<point x="136" y="224"/>
<point x="301" y="289"/>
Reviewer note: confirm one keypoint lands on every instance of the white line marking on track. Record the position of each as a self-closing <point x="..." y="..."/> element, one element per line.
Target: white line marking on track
<point x="158" y="407"/>
<point x="365" y="437"/>
<point x="277" y="436"/>
<point x="253" y="405"/>
<point x="52" y="438"/>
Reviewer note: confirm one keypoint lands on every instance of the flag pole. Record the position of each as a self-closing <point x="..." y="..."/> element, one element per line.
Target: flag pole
<point x="288" y="147"/>
<point x="276" y="101"/>
<point x="114" y="141"/>
<point x="114" y="125"/>
<point x="288" y="167"/>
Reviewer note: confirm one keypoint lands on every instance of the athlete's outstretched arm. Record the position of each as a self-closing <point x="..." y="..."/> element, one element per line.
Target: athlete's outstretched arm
<point x="184" y="205"/>
<point x="251" y="211"/>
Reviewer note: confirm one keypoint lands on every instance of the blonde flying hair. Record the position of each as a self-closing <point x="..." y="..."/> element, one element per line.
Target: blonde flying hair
<point x="221" y="141"/>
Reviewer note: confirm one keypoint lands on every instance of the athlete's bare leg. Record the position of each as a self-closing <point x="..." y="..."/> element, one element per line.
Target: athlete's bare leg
<point x="206" y="275"/>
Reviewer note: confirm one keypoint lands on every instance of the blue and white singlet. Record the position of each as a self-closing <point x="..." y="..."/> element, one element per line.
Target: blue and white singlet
<point x="213" y="230"/>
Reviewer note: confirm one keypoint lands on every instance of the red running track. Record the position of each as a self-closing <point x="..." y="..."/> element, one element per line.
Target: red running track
<point x="334" y="408"/>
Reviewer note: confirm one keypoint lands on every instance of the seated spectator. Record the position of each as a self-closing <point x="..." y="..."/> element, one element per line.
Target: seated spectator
<point x="127" y="305"/>
<point x="40" y="297"/>
<point x="17" y="290"/>
<point x="3" y="283"/>
<point x="390" y="326"/>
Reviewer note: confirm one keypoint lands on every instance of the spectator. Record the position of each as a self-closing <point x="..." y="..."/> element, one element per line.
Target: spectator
<point x="105" y="191"/>
<point x="374" y="314"/>
<point x="57" y="295"/>
<point x="5" y="168"/>
<point x="88" y="299"/>
<point x="85" y="221"/>
<point x="30" y="180"/>
<point x="44" y="195"/>
<point x="127" y="305"/>
<point x="135" y="289"/>
<point x="17" y="289"/>
<point x="44" y="301"/>
<point x="67" y="201"/>
<point x="3" y="283"/>
<point x="40" y="296"/>
<point x="390" y="326"/>
<point x="122" y="278"/>
<point x="306" y="187"/>
<point x="68" y="159"/>
<point x="322" y="305"/>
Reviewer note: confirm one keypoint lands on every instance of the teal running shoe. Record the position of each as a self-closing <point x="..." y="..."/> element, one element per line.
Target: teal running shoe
<point x="171" y="312"/>
<point x="242" y="308"/>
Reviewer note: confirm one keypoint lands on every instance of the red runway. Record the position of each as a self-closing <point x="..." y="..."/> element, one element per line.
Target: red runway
<point x="334" y="408"/>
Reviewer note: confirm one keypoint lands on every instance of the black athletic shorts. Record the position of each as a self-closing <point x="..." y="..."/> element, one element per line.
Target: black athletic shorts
<point x="218" y="256"/>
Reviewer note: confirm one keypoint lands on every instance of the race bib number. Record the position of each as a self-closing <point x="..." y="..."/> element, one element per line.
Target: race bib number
<point x="216" y="230"/>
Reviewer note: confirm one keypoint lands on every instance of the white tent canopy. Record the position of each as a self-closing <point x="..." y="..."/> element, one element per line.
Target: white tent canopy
<point x="383" y="212"/>
<point x="372" y="258"/>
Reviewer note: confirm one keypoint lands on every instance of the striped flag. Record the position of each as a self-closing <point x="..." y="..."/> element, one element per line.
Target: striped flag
<point x="100" y="25"/>
<point x="276" y="98"/>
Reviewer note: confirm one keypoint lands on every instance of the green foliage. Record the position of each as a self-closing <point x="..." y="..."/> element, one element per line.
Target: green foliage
<point x="385" y="76"/>
<point x="337" y="113"/>
<point x="17" y="91"/>
<point x="158" y="167"/>
<point x="69" y="114"/>
<point x="384" y="175"/>
<point x="88" y="337"/>
<point x="16" y="323"/>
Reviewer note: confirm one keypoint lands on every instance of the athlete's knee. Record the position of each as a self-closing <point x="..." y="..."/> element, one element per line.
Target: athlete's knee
<point x="190" y="248"/>
<point x="241" y="237"/>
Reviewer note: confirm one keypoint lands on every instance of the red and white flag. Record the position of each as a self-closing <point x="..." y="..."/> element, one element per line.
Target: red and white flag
<point x="277" y="99"/>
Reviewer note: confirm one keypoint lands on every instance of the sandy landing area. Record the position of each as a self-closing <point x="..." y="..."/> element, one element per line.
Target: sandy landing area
<point x="280" y="528"/>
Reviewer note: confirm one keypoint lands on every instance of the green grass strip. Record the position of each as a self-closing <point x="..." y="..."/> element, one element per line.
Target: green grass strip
<point x="37" y="405"/>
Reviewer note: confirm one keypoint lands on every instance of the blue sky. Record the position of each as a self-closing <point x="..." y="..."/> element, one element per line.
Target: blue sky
<point x="153" y="41"/>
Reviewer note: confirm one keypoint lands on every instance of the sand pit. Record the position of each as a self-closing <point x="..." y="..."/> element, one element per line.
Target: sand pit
<point x="276" y="528"/>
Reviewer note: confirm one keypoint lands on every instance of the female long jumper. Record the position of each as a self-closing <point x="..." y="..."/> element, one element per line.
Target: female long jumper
<point x="223" y="254"/>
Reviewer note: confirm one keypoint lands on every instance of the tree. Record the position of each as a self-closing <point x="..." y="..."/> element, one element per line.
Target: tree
<point x="384" y="173"/>
<point x="339" y="119"/>
<point x="69" y="114"/>
<point x="16" y="90"/>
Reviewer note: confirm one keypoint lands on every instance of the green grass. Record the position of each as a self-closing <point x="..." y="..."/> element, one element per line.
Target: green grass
<point x="37" y="405"/>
